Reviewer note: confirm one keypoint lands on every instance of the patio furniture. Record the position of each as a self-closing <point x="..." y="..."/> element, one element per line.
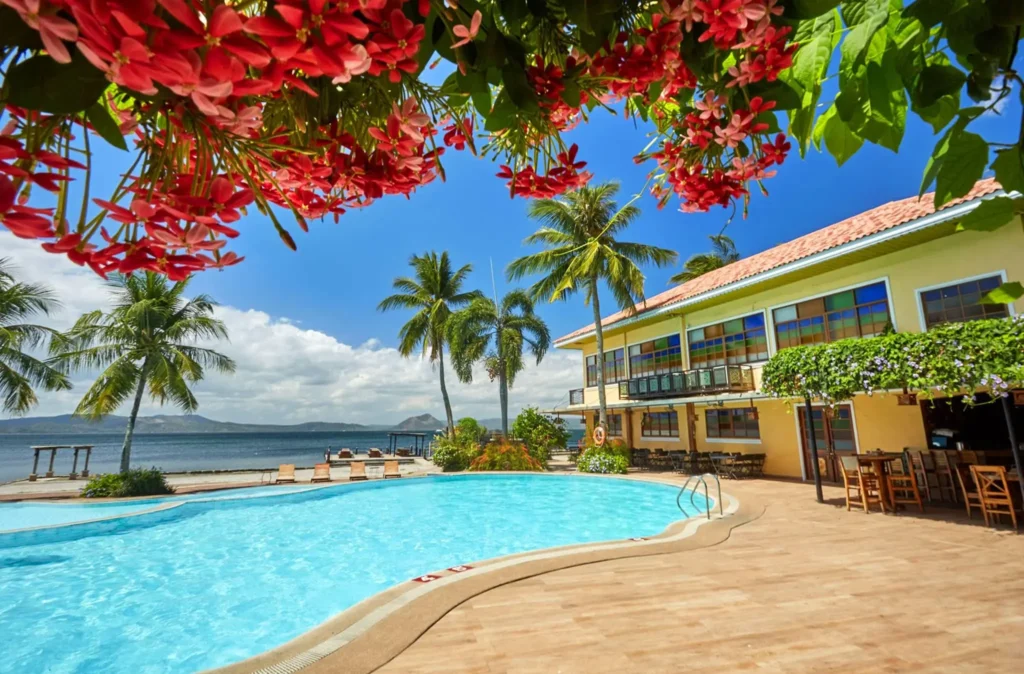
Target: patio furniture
<point x="285" y="473"/>
<point x="357" y="471"/>
<point x="374" y="453"/>
<point x="868" y="486"/>
<point x="391" y="469"/>
<point x="902" y="486"/>
<point x="345" y="454"/>
<point x="321" y="473"/>
<point x="641" y="458"/>
<point x="920" y="463"/>
<point x="996" y="499"/>
<point x="968" y="488"/>
<point x="944" y="473"/>
<point x="403" y="452"/>
<point x="969" y="456"/>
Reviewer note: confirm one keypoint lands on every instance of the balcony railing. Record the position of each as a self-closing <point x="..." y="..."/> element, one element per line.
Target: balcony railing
<point x="720" y="379"/>
<point x="576" y="396"/>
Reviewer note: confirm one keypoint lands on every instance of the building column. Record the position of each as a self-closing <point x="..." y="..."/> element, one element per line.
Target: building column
<point x="53" y="455"/>
<point x="691" y="427"/>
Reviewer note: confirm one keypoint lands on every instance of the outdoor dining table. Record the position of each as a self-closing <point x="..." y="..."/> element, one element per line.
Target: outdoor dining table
<point x="879" y="464"/>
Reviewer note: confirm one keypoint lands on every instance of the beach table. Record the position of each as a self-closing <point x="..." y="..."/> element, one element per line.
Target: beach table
<point x="53" y="449"/>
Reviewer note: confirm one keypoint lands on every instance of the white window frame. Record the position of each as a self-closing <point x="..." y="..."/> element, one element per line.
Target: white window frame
<point x="977" y="277"/>
<point x="764" y="314"/>
<point x="774" y="348"/>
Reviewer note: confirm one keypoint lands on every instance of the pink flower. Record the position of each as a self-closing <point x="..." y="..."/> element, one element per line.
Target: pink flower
<point x="468" y="33"/>
<point x="53" y="30"/>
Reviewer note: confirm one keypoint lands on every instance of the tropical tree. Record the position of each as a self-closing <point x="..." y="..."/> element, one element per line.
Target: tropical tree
<point x="497" y="334"/>
<point x="434" y="291"/>
<point x="723" y="252"/>
<point x="579" y="234"/>
<point x="20" y="372"/>
<point x="148" y="339"/>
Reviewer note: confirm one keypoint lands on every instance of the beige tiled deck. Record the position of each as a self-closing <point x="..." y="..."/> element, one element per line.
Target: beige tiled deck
<point x="804" y="588"/>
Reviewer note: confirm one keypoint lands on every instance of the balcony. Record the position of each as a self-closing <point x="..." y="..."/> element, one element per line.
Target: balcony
<point x="721" y="379"/>
<point x="576" y="396"/>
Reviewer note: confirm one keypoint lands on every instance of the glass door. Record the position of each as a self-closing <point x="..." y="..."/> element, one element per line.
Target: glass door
<point x="835" y="438"/>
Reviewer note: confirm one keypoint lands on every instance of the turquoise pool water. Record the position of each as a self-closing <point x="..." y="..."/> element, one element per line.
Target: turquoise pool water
<point x="209" y="583"/>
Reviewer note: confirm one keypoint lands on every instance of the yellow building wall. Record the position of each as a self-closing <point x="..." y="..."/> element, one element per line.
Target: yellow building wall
<point x="778" y="440"/>
<point x="884" y="424"/>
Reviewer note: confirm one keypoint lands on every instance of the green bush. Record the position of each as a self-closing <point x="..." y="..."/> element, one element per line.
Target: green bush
<point x="470" y="430"/>
<point x="136" y="482"/>
<point x="455" y="454"/>
<point x="540" y="433"/>
<point x="602" y="460"/>
<point x="505" y="455"/>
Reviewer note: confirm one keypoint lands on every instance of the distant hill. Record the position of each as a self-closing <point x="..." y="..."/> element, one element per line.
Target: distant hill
<point x="424" y="422"/>
<point x="163" y="423"/>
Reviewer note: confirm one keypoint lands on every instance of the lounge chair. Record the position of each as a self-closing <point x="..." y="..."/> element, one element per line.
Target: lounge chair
<point x="345" y="454"/>
<point x="391" y="469"/>
<point x="375" y="453"/>
<point x="357" y="470"/>
<point x="321" y="473"/>
<point x="285" y="473"/>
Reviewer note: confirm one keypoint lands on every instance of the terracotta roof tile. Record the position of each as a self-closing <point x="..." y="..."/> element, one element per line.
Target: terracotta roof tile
<point x="864" y="224"/>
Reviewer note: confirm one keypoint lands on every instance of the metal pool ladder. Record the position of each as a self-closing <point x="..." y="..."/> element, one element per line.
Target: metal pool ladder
<point x="699" y="480"/>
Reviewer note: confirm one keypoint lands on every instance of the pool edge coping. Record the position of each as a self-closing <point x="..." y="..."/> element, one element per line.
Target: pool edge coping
<point x="371" y="633"/>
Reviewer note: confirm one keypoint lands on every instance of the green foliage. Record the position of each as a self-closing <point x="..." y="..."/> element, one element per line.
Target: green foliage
<point x="948" y="360"/>
<point x="991" y="214"/>
<point x="21" y="373"/>
<point x="602" y="460"/>
<point x="541" y="433"/>
<point x="505" y="455"/>
<point x="724" y="252"/>
<point x="453" y="453"/>
<point x="135" y="482"/>
<point x="469" y="429"/>
<point x="40" y="83"/>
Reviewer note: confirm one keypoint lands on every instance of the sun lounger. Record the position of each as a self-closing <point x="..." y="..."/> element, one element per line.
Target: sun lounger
<point x="285" y="473"/>
<point x="345" y="454"/>
<point x="375" y="453"/>
<point x="358" y="470"/>
<point x="391" y="469"/>
<point x="321" y="473"/>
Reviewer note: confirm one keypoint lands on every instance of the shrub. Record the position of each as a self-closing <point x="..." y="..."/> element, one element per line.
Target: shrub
<point x="453" y="455"/>
<point x="136" y="482"/>
<point x="470" y="430"/>
<point x="540" y="433"/>
<point x="505" y="455"/>
<point x="602" y="460"/>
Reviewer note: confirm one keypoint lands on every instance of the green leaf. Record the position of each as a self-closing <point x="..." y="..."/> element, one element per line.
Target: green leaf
<point x="1004" y="294"/>
<point x="1009" y="168"/>
<point x="518" y="88"/>
<point x="940" y="113"/>
<point x="105" y="125"/>
<point x="931" y="12"/>
<point x="503" y="114"/>
<point x="990" y="215"/>
<point x="40" y="83"/>
<point x="962" y="166"/>
<point x="865" y="17"/>
<point x="931" y="169"/>
<point x="16" y="33"/>
<point x="936" y="81"/>
<point x="807" y="9"/>
<point x="819" y="127"/>
<point x="842" y="143"/>
<point x="785" y="96"/>
<point x="571" y="93"/>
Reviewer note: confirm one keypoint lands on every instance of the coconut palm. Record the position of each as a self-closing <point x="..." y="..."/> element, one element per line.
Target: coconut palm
<point x="148" y="339"/>
<point x="497" y="335"/>
<point x="434" y="291"/>
<point x="579" y="233"/>
<point x="723" y="253"/>
<point x="21" y="373"/>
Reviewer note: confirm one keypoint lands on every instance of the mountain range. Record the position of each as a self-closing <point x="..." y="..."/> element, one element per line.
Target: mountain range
<point x="193" y="423"/>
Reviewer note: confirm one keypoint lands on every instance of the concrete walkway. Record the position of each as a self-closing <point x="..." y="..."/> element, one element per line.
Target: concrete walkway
<point x="804" y="588"/>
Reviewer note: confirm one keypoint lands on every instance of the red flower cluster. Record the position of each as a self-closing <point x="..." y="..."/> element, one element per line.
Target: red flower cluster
<point x="565" y="176"/>
<point x="549" y="83"/>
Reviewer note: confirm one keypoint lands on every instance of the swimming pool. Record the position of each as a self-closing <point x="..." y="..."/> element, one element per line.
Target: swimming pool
<point x="208" y="583"/>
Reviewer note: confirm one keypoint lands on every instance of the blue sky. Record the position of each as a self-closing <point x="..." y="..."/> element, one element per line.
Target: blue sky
<point x="310" y="344"/>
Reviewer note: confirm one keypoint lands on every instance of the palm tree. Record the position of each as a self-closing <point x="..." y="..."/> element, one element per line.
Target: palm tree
<point x="497" y="335"/>
<point x="579" y="233"/>
<point x="147" y="339"/>
<point x="433" y="292"/>
<point x="723" y="253"/>
<point x="20" y="372"/>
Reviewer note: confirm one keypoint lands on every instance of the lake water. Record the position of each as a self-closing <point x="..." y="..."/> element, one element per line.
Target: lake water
<point x="174" y="452"/>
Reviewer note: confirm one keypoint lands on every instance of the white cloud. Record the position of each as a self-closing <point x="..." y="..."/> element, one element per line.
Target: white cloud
<point x="287" y="374"/>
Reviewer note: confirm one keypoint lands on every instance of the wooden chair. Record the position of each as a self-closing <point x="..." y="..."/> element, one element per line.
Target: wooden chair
<point x="968" y="488"/>
<point x="375" y="453"/>
<point x="321" y="473"/>
<point x="866" y="485"/>
<point x="357" y="471"/>
<point x="391" y="469"/>
<point x="944" y="461"/>
<point x="994" y="490"/>
<point x="903" y="485"/>
<point x="285" y="473"/>
<point x="920" y="465"/>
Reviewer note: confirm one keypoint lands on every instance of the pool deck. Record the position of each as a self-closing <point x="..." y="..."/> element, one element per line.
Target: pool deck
<point x="802" y="587"/>
<point x="185" y="483"/>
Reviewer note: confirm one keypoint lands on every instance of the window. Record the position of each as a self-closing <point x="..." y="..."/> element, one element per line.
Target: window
<point x="614" y="367"/>
<point x="961" y="302"/>
<point x="614" y="424"/>
<point x="861" y="312"/>
<point x="660" y="425"/>
<point x="733" y="423"/>
<point x="658" y="356"/>
<point x="741" y="340"/>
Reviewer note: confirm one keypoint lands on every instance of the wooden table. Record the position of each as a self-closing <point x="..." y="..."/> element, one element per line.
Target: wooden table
<point x="879" y="465"/>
